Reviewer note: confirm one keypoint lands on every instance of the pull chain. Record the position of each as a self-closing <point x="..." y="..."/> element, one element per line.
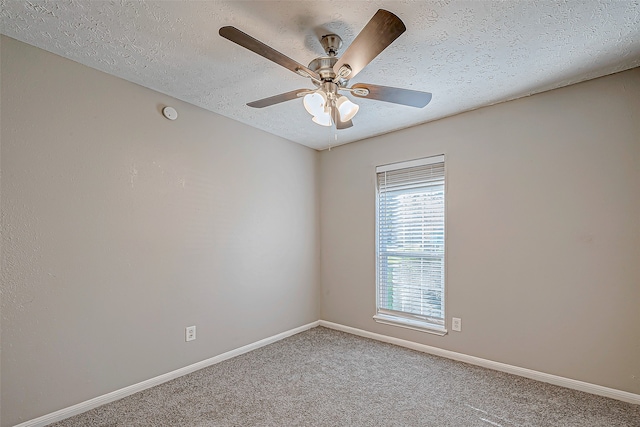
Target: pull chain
<point x="335" y="138"/>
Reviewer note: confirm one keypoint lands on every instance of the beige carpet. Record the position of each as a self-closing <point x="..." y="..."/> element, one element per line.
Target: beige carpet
<point x="323" y="377"/>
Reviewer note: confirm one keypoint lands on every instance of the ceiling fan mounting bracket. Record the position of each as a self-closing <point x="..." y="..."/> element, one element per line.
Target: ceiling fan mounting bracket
<point x="360" y="91"/>
<point x="331" y="43"/>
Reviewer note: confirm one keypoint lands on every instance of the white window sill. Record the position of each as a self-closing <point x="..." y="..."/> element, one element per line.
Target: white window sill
<point x="410" y="324"/>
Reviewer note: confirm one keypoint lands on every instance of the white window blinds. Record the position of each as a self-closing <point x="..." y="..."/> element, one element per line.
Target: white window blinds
<point x="410" y="243"/>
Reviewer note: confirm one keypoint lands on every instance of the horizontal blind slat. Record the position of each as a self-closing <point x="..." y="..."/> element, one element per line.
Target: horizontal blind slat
<point x="410" y="223"/>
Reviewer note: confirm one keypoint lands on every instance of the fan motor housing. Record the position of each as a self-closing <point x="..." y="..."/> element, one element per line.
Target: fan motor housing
<point x="324" y="67"/>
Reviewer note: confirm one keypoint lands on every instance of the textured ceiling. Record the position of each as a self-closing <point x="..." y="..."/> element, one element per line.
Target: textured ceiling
<point x="467" y="53"/>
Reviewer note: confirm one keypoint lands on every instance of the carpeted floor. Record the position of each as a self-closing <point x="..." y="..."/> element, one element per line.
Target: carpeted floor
<point x="323" y="377"/>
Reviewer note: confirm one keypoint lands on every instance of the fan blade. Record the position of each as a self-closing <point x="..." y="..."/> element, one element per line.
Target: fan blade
<point x="344" y="125"/>
<point x="276" y="99"/>
<point x="379" y="33"/>
<point x="339" y="123"/>
<point x="256" y="46"/>
<point x="412" y="98"/>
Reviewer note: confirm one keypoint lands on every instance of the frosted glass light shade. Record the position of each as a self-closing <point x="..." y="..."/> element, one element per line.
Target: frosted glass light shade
<point x="346" y="108"/>
<point x="323" y="119"/>
<point x="314" y="103"/>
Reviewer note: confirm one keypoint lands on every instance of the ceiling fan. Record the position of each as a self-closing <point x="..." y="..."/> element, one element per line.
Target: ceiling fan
<point x="331" y="74"/>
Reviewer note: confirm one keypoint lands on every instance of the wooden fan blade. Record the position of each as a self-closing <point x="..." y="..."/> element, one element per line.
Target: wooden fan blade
<point x="276" y="99"/>
<point x="379" y="33"/>
<point x="412" y="98"/>
<point x="339" y="123"/>
<point x="344" y="125"/>
<point x="256" y="46"/>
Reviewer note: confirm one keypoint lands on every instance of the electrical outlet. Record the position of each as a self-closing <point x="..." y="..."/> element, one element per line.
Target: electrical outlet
<point x="190" y="333"/>
<point x="456" y="324"/>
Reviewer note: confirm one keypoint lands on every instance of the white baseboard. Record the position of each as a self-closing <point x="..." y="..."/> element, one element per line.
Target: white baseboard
<point x="123" y="392"/>
<point x="503" y="367"/>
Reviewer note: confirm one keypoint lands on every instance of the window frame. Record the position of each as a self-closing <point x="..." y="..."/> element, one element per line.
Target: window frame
<point x="407" y="320"/>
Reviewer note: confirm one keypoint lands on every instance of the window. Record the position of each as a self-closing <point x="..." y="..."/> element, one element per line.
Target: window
<point x="410" y="244"/>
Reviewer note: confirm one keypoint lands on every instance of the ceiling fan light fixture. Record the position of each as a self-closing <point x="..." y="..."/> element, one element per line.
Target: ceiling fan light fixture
<point x="331" y="74"/>
<point x="315" y="103"/>
<point x="323" y="119"/>
<point x="346" y="108"/>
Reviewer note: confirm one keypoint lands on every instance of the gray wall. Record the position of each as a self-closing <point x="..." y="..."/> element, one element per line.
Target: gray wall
<point x="543" y="230"/>
<point x="120" y="228"/>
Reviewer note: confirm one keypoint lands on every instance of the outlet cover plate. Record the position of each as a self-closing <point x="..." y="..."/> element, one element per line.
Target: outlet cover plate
<point x="190" y="333"/>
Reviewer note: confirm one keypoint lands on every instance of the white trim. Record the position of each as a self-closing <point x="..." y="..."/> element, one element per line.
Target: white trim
<point x="498" y="366"/>
<point x="127" y="391"/>
<point x="503" y="367"/>
<point x="411" y="163"/>
<point x="410" y="324"/>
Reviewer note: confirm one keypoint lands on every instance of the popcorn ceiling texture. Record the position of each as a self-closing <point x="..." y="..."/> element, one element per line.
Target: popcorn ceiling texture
<point x="468" y="54"/>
